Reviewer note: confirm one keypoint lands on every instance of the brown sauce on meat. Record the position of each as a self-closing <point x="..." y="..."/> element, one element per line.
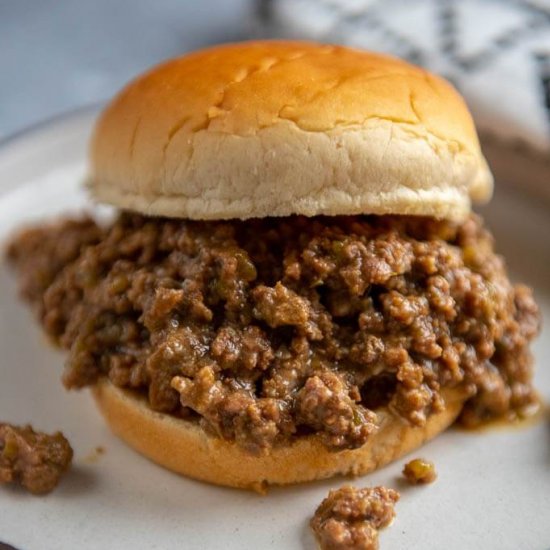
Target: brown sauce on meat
<point x="350" y="518"/>
<point x="33" y="459"/>
<point x="513" y="420"/>
<point x="268" y="330"/>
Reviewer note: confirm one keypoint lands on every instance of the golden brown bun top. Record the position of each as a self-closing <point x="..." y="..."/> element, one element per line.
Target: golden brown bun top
<point x="276" y="128"/>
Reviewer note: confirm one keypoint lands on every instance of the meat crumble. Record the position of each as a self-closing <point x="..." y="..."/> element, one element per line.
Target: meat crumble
<point x="34" y="459"/>
<point x="349" y="518"/>
<point x="268" y="330"/>
<point x="419" y="472"/>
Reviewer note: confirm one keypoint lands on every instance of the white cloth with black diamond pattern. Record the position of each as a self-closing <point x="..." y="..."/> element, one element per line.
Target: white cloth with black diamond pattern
<point x="497" y="52"/>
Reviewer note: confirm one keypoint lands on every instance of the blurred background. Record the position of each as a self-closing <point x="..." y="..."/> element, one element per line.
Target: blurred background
<point x="61" y="55"/>
<point x="58" y="55"/>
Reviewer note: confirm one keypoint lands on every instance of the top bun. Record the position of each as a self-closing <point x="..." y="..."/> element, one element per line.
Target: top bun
<point x="275" y="128"/>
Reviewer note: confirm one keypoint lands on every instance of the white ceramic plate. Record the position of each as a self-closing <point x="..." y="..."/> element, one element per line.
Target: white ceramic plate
<point x="493" y="490"/>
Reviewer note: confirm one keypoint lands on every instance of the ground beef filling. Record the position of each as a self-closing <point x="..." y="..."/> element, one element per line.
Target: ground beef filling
<point x="350" y="518"/>
<point x="35" y="460"/>
<point x="267" y="330"/>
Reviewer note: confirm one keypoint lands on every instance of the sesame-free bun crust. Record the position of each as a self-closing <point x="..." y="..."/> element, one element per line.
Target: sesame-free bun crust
<point x="184" y="447"/>
<point x="277" y="128"/>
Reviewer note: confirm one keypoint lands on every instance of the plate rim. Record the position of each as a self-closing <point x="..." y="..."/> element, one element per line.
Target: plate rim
<point x="46" y="122"/>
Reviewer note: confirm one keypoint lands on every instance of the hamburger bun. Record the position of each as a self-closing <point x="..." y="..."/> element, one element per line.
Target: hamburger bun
<point x="278" y="128"/>
<point x="184" y="447"/>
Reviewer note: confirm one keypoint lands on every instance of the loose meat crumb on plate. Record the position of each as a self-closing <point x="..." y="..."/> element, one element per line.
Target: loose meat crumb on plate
<point x="419" y="472"/>
<point x="33" y="459"/>
<point x="350" y="518"/>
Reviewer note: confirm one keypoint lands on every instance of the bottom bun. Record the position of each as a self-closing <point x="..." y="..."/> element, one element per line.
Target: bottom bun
<point x="184" y="447"/>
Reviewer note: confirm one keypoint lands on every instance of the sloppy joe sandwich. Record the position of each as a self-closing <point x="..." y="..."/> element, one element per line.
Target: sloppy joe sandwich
<point x="294" y="285"/>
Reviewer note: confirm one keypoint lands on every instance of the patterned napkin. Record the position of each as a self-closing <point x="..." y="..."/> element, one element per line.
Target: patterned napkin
<point x="496" y="52"/>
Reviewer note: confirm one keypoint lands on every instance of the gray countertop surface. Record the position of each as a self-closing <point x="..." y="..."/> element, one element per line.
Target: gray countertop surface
<point x="58" y="55"/>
